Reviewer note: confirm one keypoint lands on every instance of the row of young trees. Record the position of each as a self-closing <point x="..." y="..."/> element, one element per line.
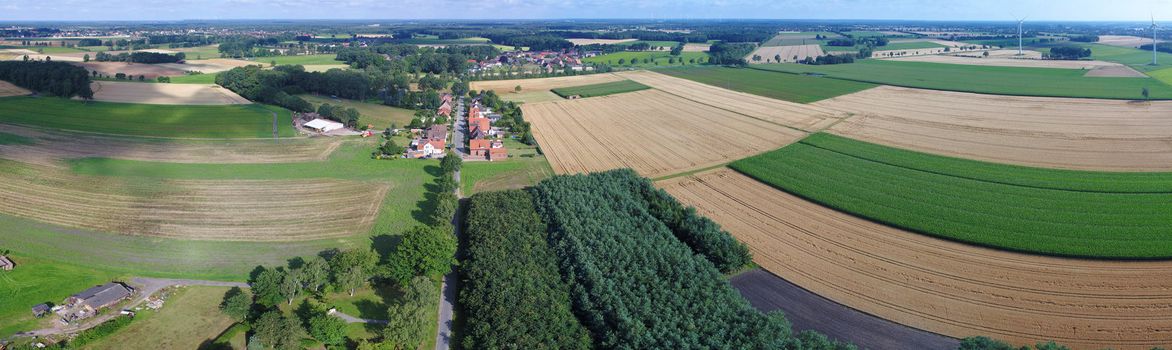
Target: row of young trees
<point x="506" y="242"/>
<point x="47" y="77"/>
<point x="633" y="284"/>
<point x="703" y="235"/>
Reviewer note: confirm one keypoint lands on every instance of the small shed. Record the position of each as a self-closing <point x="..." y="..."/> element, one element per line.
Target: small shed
<point x="322" y="125"/>
<point x="6" y="264"/>
<point x="40" y="310"/>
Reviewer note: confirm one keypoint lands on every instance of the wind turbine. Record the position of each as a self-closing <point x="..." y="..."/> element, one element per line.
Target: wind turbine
<point x="1154" y="26"/>
<point x="1019" y="50"/>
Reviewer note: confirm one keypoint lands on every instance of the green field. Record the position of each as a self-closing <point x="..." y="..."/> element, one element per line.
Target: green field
<point x="199" y="53"/>
<point x="602" y="89"/>
<point x="379" y="115"/>
<point x="1136" y="58"/>
<point x="982" y="79"/>
<point x="36" y="281"/>
<point x="302" y="60"/>
<point x="655" y="58"/>
<point x="194" y="79"/>
<point x="1046" y="211"/>
<point x="190" y="316"/>
<point x="231" y="121"/>
<point x="46" y="49"/>
<point x="524" y="168"/>
<point x="1164" y="75"/>
<point x="868" y="33"/>
<point x="782" y="86"/>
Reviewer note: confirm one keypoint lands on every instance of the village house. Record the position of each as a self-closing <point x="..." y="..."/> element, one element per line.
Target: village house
<point x="437" y="132"/>
<point x="87" y="303"/>
<point x="431" y="144"/>
<point x="6" y="264"/>
<point x="491" y="150"/>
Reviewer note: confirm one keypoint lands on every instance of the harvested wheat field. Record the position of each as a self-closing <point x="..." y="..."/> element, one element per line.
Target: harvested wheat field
<point x="151" y="71"/>
<point x="1125" y="40"/>
<point x="936" y="285"/>
<point x="52" y="148"/>
<point x="695" y="47"/>
<point x="1008" y="62"/>
<point x="165" y="94"/>
<point x="208" y="66"/>
<point x="599" y="41"/>
<point x="795" y="115"/>
<point x="1066" y="133"/>
<point x="241" y="210"/>
<point x="651" y="131"/>
<point x="506" y="87"/>
<point x="7" y="89"/>
<point x="787" y="53"/>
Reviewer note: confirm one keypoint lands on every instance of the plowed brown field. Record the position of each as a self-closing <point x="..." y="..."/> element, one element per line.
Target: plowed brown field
<point x="52" y="147"/>
<point x="795" y="115"/>
<point x="235" y="210"/>
<point x="936" y="285"/>
<point x="651" y="131"/>
<point x="1067" y="133"/>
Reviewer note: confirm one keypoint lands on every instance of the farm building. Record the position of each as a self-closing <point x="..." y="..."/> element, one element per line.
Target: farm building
<point x="87" y="303"/>
<point x="323" y="125"/>
<point x="6" y="264"/>
<point x="426" y="148"/>
<point x="491" y="150"/>
<point x="40" y="310"/>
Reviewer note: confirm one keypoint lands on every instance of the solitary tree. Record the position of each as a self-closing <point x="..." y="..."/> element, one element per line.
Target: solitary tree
<point x="85" y="58"/>
<point x="517" y="88"/>
<point x="1146" y="93"/>
<point x="236" y="304"/>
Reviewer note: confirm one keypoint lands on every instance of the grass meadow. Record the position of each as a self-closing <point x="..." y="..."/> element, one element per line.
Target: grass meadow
<point x="190" y="317"/>
<point x="1044" y="211"/>
<point x="603" y="89"/>
<point x="229" y="121"/>
<point x="525" y="167"/>
<point x="194" y="79"/>
<point x="984" y="79"/>
<point x="302" y="60"/>
<point x="654" y="58"/>
<point x="379" y="115"/>
<point x="782" y="86"/>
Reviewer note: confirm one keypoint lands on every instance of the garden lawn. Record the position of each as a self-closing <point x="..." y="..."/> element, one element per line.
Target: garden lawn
<point x="379" y="115"/>
<point x="782" y="86"/>
<point x="189" y="317"/>
<point x="38" y="280"/>
<point x="229" y="121"/>
<point x="1045" y="211"/>
<point x="524" y="168"/>
<point x="655" y="58"/>
<point x="984" y="79"/>
<point x="602" y="89"/>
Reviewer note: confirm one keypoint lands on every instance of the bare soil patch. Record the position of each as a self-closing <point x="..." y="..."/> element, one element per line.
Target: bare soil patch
<point x="651" y="131"/>
<point x="505" y="87"/>
<point x="52" y="148"/>
<point x="976" y="60"/>
<point x="1125" y="40"/>
<point x="7" y="89"/>
<point x="935" y="285"/>
<point x="787" y="53"/>
<point x="235" y="210"/>
<point x="795" y="115"/>
<point x="165" y="94"/>
<point x="599" y="41"/>
<point x="151" y="71"/>
<point x="1067" y="133"/>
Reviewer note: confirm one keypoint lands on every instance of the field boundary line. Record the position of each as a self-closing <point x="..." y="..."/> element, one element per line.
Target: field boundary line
<point x="735" y="112"/>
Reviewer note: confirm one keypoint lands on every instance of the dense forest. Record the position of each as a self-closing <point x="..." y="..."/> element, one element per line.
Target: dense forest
<point x="140" y="57"/>
<point x="51" y="78"/>
<point x="1069" y="53"/>
<point x="701" y="234"/>
<point x="722" y="53"/>
<point x="512" y="291"/>
<point x="1161" y="47"/>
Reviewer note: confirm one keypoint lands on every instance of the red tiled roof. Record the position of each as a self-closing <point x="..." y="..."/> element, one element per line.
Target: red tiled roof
<point x="479" y="144"/>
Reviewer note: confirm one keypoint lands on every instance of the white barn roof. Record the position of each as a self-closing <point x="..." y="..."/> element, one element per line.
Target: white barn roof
<point x="323" y="125"/>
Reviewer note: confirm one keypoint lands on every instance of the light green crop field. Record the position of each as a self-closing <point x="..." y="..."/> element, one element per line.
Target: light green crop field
<point x="1164" y="75"/>
<point x="524" y="168"/>
<point x="655" y="58"/>
<point x="379" y="115"/>
<point x="1046" y="211"/>
<point x="654" y="43"/>
<point x="199" y="53"/>
<point x="302" y="60"/>
<point x="1139" y="59"/>
<point x="984" y="79"/>
<point x="230" y="121"/>
<point x="782" y="86"/>
<point x="602" y="89"/>
<point x="194" y="79"/>
<point x="46" y="49"/>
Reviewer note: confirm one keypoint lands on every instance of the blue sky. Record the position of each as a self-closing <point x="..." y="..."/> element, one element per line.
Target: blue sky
<point x="1079" y="10"/>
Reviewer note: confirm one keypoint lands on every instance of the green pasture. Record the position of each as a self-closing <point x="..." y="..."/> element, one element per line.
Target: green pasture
<point x="39" y="280"/>
<point x="377" y="114"/>
<point x="228" y="121"/>
<point x="601" y="89"/>
<point x="1045" y="211"/>
<point x="205" y="78"/>
<point x="655" y="58"/>
<point x="984" y="79"/>
<point x="200" y="53"/>
<point x="782" y="86"/>
<point x="302" y="59"/>
<point x="524" y="168"/>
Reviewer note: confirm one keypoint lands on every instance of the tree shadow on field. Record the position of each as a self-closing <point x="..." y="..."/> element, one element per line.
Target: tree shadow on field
<point x="384" y="245"/>
<point x="295" y="263"/>
<point x="433" y="170"/>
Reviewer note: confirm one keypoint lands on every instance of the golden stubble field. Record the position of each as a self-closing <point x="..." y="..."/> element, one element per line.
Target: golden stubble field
<point x="945" y="287"/>
<point x="787" y="53"/>
<point x="165" y="94"/>
<point x="7" y="89"/>
<point x="651" y="131"/>
<point x="1067" y="133"/>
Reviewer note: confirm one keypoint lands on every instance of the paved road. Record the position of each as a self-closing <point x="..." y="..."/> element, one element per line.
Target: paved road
<point x="144" y="288"/>
<point x="807" y="310"/>
<point x="459" y="129"/>
<point x="448" y="289"/>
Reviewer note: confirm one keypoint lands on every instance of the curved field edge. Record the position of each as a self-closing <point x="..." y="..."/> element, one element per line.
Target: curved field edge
<point x="772" y="84"/>
<point x="986" y="209"/>
<point x="1013" y="81"/>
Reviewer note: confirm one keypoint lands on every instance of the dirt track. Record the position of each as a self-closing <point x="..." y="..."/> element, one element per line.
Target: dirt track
<point x="1064" y="133"/>
<point x="940" y="286"/>
<point x="165" y="94"/>
<point x="653" y="132"/>
<point x="228" y="210"/>
<point x="51" y="148"/>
